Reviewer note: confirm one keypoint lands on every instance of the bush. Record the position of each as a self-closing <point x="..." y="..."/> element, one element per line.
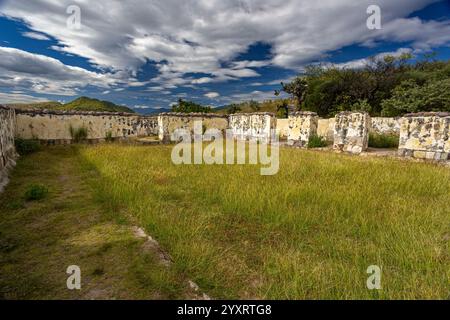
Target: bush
<point x="36" y="192"/>
<point x="78" y="134"/>
<point x="316" y="142"/>
<point x="377" y="140"/>
<point x="411" y="97"/>
<point x="24" y="147"/>
<point x="109" y="136"/>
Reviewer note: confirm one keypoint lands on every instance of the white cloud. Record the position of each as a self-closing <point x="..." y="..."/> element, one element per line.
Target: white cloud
<point x="16" y="97"/>
<point x="212" y="95"/>
<point x="35" y="35"/>
<point x="23" y="70"/>
<point x="361" y="63"/>
<point x="210" y="34"/>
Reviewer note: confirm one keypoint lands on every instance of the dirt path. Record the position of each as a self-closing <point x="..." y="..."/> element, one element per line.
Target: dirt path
<point x="40" y="239"/>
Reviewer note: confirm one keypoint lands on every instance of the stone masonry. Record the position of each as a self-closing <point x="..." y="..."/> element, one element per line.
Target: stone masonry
<point x="425" y="136"/>
<point x="302" y="125"/>
<point x="53" y="127"/>
<point x="252" y="125"/>
<point x="351" y="132"/>
<point x="168" y="122"/>
<point x="7" y="150"/>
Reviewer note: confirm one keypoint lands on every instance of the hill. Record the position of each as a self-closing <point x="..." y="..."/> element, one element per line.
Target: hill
<point x="79" y="104"/>
<point x="50" y="105"/>
<point x="89" y="104"/>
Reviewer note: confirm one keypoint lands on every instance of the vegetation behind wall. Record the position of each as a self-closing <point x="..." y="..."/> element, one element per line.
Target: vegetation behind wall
<point x="391" y="86"/>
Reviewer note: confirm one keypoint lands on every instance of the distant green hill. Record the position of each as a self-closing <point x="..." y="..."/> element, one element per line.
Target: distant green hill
<point x="50" y="105"/>
<point x="89" y="104"/>
<point x="80" y="104"/>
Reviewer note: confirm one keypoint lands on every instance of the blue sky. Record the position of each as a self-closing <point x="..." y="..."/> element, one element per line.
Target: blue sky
<point x="146" y="55"/>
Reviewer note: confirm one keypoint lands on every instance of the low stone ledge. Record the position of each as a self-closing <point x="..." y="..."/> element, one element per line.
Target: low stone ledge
<point x="253" y="114"/>
<point x="427" y="114"/>
<point x="303" y="113"/>
<point x="192" y="115"/>
<point x="3" y="107"/>
<point x="72" y="113"/>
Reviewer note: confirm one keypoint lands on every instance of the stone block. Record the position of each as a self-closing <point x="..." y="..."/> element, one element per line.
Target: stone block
<point x="351" y="132"/>
<point x="302" y="125"/>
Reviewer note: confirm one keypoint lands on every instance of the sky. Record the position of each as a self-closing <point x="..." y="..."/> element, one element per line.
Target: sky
<point x="146" y="54"/>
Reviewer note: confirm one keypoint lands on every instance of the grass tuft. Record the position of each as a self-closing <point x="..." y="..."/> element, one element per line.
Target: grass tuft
<point x="78" y="134"/>
<point x="25" y="147"/>
<point x="316" y="141"/>
<point x="36" y="192"/>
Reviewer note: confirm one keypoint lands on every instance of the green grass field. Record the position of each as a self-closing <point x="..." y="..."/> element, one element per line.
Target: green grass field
<point x="309" y="232"/>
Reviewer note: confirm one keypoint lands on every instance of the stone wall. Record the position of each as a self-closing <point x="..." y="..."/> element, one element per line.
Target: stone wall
<point x="425" y="136"/>
<point x="252" y="125"/>
<point x="302" y="125"/>
<point x="169" y="122"/>
<point x="351" y="132"/>
<point x="385" y="125"/>
<point x="282" y="128"/>
<point x="54" y="126"/>
<point x="325" y="128"/>
<point x="7" y="150"/>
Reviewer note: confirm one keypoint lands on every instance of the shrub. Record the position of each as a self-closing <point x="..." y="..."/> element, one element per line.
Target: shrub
<point x="411" y="97"/>
<point x="377" y="140"/>
<point x="316" y="142"/>
<point x="109" y="137"/>
<point x="78" y="134"/>
<point x="24" y="147"/>
<point x="36" y="192"/>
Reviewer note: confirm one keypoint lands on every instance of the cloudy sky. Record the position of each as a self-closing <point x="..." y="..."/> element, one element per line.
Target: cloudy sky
<point x="147" y="53"/>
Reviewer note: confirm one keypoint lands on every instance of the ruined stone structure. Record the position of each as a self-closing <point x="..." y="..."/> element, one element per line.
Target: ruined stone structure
<point x="282" y="128"/>
<point x="351" y="132"/>
<point x="325" y="128"/>
<point x="389" y="126"/>
<point x="54" y="126"/>
<point x="170" y="121"/>
<point x="7" y="150"/>
<point x="302" y="125"/>
<point x="252" y="125"/>
<point x="425" y="136"/>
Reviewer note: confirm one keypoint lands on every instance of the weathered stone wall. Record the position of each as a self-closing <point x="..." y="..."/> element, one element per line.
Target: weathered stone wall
<point x="325" y="128"/>
<point x="425" y="136"/>
<point x="7" y="150"/>
<point x="282" y="128"/>
<point x="351" y="132"/>
<point x="169" y="122"/>
<point x="385" y="125"/>
<point x="302" y="125"/>
<point x="252" y="125"/>
<point x="54" y="126"/>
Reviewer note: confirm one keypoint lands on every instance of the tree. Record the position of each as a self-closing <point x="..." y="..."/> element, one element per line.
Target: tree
<point x="297" y="88"/>
<point x="189" y="106"/>
<point x="283" y="110"/>
<point x="411" y="97"/>
<point x="233" y="108"/>
<point x="254" y="105"/>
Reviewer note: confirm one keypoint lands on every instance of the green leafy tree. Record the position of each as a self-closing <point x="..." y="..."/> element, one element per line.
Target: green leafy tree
<point x="411" y="97"/>
<point x="283" y="110"/>
<point x="297" y="88"/>
<point x="234" y="108"/>
<point x="189" y="107"/>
